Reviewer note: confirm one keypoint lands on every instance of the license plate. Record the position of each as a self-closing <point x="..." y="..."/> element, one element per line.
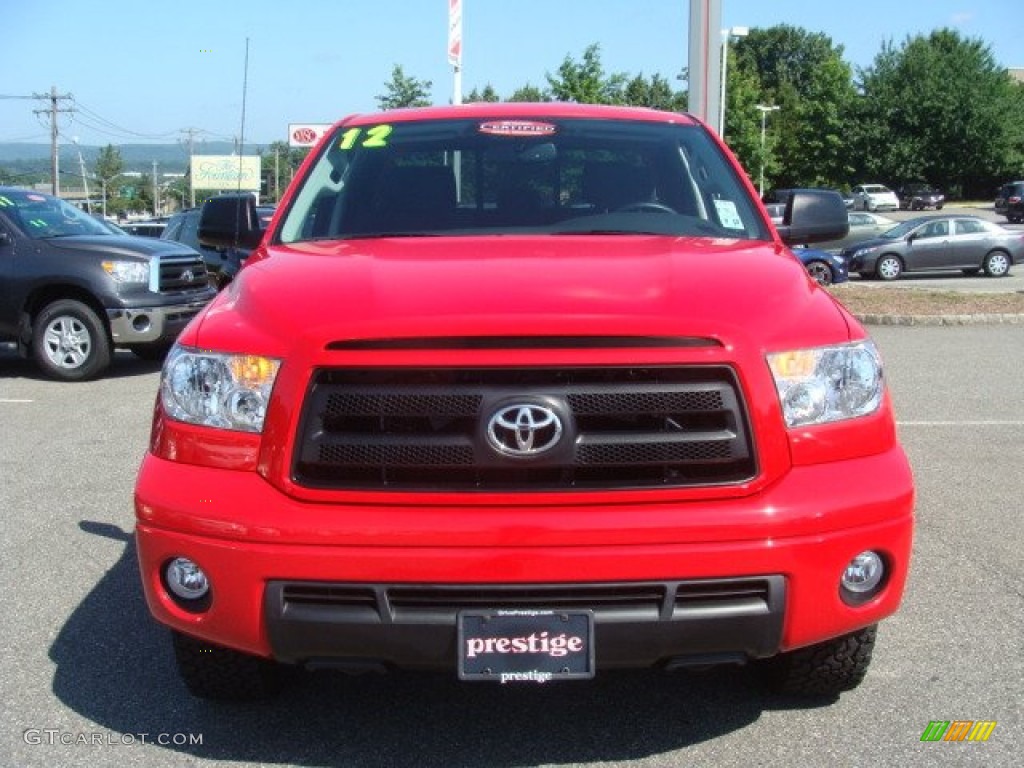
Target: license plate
<point x="511" y="646"/>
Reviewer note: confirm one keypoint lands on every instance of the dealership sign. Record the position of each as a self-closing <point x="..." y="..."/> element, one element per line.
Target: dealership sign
<point x="226" y="172"/>
<point x="306" y="134"/>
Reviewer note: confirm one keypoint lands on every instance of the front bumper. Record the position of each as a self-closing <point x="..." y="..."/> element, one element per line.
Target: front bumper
<point x="261" y="548"/>
<point x="146" y="325"/>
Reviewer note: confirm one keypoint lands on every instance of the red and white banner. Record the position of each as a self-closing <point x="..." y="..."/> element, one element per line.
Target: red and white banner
<point x="455" y="33"/>
<point x="306" y="134"/>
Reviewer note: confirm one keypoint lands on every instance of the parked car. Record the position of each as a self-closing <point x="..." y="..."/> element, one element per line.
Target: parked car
<point x="965" y="243"/>
<point x="825" y="267"/>
<point x="1010" y="201"/>
<point x="918" y="196"/>
<point x="863" y="226"/>
<point x="874" y="197"/>
<point x="222" y="263"/>
<point x="144" y="228"/>
<point x="73" y="287"/>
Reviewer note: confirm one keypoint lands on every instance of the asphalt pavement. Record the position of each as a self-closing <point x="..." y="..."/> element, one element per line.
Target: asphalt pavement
<point x="89" y="679"/>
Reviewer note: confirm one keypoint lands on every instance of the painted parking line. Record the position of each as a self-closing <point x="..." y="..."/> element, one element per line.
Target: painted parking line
<point x="986" y="423"/>
<point x="14" y="400"/>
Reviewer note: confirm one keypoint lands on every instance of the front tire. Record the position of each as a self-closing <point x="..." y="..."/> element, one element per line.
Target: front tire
<point x="996" y="264"/>
<point x="889" y="268"/>
<point x="213" y="672"/>
<point x="70" y="342"/>
<point x="826" y="669"/>
<point x="821" y="272"/>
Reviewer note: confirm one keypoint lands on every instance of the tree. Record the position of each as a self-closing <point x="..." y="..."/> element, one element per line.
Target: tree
<point x="803" y="74"/>
<point x="488" y="94"/>
<point x="529" y="93"/>
<point x="108" y="169"/>
<point x="655" y="93"/>
<point x="585" y="82"/>
<point x="404" y="91"/>
<point x="279" y="162"/>
<point x="939" y="109"/>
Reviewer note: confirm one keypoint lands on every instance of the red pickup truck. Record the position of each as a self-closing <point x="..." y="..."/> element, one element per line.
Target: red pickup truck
<point x="524" y="392"/>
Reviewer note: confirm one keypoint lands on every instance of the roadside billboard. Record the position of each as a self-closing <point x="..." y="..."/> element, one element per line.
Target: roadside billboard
<point x="226" y="172"/>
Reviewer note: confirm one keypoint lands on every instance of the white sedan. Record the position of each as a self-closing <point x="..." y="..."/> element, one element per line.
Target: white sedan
<point x="874" y="197"/>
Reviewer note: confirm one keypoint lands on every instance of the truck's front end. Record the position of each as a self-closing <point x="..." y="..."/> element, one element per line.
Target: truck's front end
<point x="523" y="392"/>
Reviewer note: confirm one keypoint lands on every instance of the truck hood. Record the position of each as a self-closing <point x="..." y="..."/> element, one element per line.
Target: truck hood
<point x="121" y="245"/>
<point x="734" y="291"/>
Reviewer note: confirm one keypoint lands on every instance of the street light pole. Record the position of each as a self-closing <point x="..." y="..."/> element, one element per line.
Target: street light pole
<point x="727" y="34"/>
<point x="764" y="110"/>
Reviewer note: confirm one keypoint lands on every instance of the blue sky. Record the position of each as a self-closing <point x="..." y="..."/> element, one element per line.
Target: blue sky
<point x="146" y="71"/>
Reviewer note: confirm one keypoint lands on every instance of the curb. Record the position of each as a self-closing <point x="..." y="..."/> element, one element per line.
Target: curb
<point x="934" y="320"/>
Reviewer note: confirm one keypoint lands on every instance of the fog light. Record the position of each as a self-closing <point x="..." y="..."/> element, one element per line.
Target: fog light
<point x="863" y="577"/>
<point x="185" y="579"/>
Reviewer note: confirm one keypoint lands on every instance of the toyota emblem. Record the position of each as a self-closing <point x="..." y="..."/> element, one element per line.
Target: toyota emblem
<point x="524" y="430"/>
<point x="187" y="276"/>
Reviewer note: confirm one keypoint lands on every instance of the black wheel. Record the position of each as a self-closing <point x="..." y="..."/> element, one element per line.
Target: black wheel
<point x="213" y="672"/>
<point x="821" y="272"/>
<point x="996" y="264"/>
<point x="152" y="352"/>
<point x="889" y="267"/>
<point x="69" y="341"/>
<point x="938" y="206"/>
<point x="826" y="669"/>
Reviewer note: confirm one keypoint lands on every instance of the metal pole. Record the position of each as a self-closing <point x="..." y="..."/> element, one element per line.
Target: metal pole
<point x="764" y="110"/>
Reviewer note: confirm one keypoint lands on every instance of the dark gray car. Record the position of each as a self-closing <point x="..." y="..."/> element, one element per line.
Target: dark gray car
<point x="931" y="243"/>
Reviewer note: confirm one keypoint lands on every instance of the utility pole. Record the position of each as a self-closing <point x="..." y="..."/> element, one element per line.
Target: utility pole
<point x="54" y="100"/>
<point x="156" y="193"/>
<point x="190" y="132"/>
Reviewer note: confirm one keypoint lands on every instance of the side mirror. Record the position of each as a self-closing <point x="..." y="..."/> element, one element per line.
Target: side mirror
<point x="230" y="221"/>
<point x="814" y="215"/>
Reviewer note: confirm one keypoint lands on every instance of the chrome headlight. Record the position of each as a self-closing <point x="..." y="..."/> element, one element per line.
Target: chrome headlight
<point x="127" y="271"/>
<point x="826" y="384"/>
<point x="217" y="390"/>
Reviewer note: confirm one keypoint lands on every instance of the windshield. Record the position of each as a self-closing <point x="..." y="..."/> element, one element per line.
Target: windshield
<point x="901" y="230"/>
<point x="42" y="216"/>
<point x="516" y="176"/>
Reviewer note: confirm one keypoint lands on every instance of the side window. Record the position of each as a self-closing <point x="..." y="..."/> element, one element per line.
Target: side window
<point x="934" y="229"/>
<point x="190" y="231"/>
<point x="968" y="227"/>
<point x="173" y="228"/>
<point x="860" y="220"/>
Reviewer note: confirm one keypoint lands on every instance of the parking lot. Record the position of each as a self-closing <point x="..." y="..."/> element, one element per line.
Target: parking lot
<point x="89" y="678"/>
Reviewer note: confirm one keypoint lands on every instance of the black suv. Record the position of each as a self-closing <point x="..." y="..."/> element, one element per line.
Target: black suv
<point x="221" y="263"/>
<point x="917" y="196"/>
<point x="72" y="288"/>
<point x="1010" y="201"/>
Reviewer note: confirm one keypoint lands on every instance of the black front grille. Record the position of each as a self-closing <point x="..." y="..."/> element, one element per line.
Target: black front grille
<point x="419" y="429"/>
<point x="182" y="273"/>
<point x="389" y="603"/>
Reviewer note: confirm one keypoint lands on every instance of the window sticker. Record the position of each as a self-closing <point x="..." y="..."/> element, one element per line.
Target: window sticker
<point x="517" y="128"/>
<point x="728" y="215"/>
<point x="36" y="198"/>
<point x="369" y="138"/>
<point x="5" y="202"/>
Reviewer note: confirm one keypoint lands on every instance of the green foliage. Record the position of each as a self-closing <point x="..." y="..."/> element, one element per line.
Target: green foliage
<point x="586" y="82"/>
<point x="803" y="74"/>
<point x="529" y="93"/>
<point x="938" y="108"/>
<point x="280" y="162"/>
<point x="487" y="94"/>
<point x="404" y="91"/>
